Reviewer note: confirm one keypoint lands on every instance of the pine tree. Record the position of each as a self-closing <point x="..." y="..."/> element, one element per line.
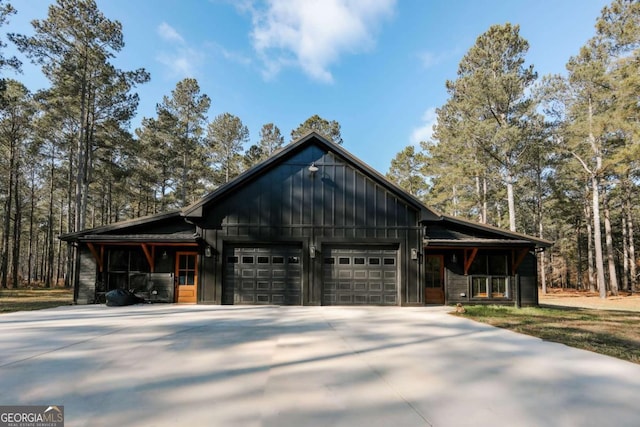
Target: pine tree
<point x="74" y="45"/>
<point x="407" y="171"/>
<point x="328" y="129"/>
<point x="226" y="136"/>
<point x="270" y="141"/>
<point x="189" y="108"/>
<point x="490" y="107"/>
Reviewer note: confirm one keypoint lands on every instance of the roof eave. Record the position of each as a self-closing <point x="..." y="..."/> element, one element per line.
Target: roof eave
<point x="541" y="243"/>
<point x="76" y="235"/>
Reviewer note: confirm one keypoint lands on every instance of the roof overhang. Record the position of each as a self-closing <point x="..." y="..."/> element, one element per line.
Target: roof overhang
<point x="137" y="239"/>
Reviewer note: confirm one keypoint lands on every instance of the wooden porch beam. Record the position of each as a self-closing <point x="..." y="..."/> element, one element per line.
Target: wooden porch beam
<point x="150" y="258"/>
<point x="518" y="260"/>
<point x="96" y="256"/>
<point x="469" y="258"/>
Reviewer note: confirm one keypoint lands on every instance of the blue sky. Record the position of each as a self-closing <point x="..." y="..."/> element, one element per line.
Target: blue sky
<point x="376" y="66"/>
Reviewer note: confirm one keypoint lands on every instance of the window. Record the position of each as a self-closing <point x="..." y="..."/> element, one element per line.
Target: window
<point x="263" y="260"/>
<point x="433" y="271"/>
<point x="489" y="276"/>
<point x="127" y="268"/>
<point x="344" y="261"/>
<point x="479" y="287"/>
<point x="499" y="287"/>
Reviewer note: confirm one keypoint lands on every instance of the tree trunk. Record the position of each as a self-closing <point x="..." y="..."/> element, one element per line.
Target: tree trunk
<point x="32" y="209"/>
<point x="485" y="203"/>
<point x="49" y="276"/>
<point x="59" y="261"/>
<point x="632" y="253"/>
<point x="625" y="253"/>
<point x="597" y="237"/>
<point x="511" y="203"/>
<point x="17" y="224"/>
<point x="595" y="193"/>
<point x="8" y="211"/>
<point x="6" y="230"/>
<point x="454" y="201"/>
<point x="579" y="266"/>
<point x="611" y="259"/>
<point x="590" y="262"/>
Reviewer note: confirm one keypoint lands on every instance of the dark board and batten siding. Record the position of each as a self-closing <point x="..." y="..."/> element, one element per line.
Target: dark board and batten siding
<point x="338" y="204"/>
<point x="528" y="275"/>
<point x="87" y="277"/>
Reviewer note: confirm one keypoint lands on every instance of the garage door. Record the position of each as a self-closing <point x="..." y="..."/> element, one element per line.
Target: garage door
<point x="262" y="275"/>
<point x="360" y="275"/>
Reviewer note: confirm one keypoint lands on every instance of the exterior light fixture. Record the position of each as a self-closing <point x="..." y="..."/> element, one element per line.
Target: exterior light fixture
<point x="313" y="168"/>
<point x="454" y="258"/>
<point x="208" y="252"/>
<point x="164" y="255"/>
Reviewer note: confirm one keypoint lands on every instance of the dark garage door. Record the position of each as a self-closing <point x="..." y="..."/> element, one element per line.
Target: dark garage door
<point x="262" y="275"/>
<point x="360" y="275"/>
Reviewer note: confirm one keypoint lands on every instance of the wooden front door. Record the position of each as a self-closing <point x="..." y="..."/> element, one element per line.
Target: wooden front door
<point x="187" y="277"/>
<point x="434" y="279"/>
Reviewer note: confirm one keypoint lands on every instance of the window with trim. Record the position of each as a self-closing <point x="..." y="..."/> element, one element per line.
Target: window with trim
<point x="490" y="276"/>
<point x="127" y="268"/>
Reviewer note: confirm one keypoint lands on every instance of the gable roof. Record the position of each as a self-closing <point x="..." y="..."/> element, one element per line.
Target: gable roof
<point x="195" y="210"/>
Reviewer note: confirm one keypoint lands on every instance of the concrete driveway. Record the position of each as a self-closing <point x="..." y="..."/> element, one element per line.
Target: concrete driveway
<point x="168" y="365"/>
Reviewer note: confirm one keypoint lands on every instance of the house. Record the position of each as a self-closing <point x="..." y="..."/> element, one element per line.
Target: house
<point x="311" y="225"/>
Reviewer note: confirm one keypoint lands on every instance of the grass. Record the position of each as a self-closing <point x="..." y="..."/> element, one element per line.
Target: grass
<point x="614" y="333"/>
<point x="23" y="299"/>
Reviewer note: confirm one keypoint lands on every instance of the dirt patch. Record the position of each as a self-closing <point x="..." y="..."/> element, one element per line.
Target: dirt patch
<point x="571" y="298"/>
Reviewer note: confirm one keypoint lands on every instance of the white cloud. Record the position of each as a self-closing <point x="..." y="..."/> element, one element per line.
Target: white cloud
<point x="312" y="35"/>
<point x="234" y="56"/>
<point x="425" y="131"/>
<point x="168" y="33"/>
<point x="429" y="59"/>
<point x="181" y="60"/>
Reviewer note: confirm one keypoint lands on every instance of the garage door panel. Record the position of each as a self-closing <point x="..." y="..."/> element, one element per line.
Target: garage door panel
<point x="360" y="287"/>
<point x="263" y="275"/>
<point x="375" y="287"/>
<point x="248" y="285"/>
<point x="365" y="276"/>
